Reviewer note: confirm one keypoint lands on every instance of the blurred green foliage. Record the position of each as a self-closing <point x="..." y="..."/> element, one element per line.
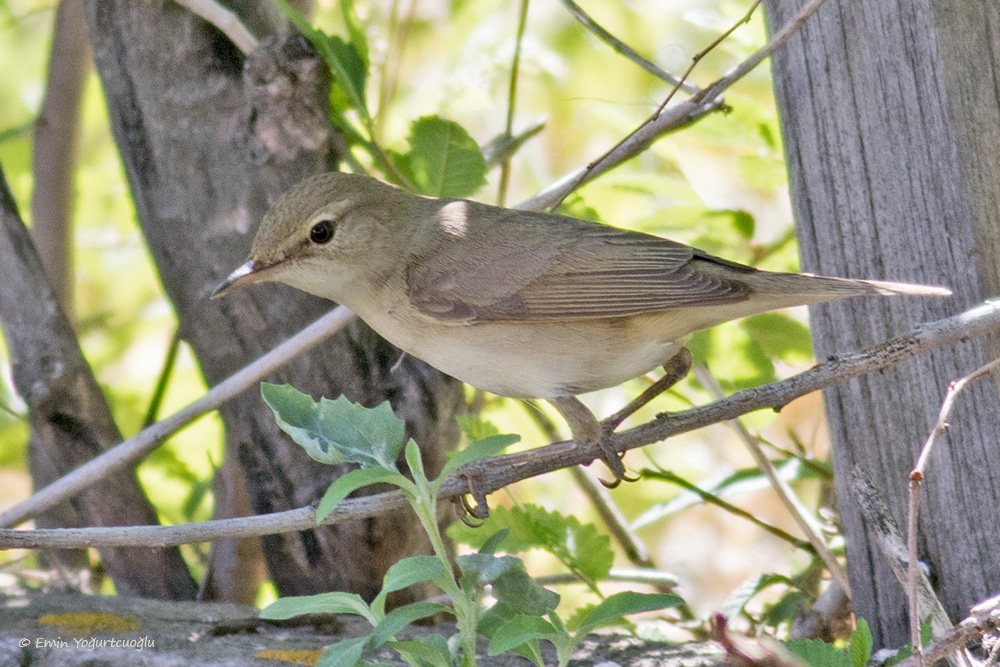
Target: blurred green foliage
<point x="720" y="185"/>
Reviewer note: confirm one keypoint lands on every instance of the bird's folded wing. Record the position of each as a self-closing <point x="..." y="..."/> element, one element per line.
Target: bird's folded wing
<point x="584" y="271"/>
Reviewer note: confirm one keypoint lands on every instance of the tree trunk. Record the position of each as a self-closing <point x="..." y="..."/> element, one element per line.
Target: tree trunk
<point x="889" y="116"/>
<point x="70" y="421"/>
<point x="209" y="139"/>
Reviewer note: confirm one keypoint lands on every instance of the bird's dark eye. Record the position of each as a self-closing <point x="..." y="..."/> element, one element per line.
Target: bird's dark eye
<point x="321" y="232"/>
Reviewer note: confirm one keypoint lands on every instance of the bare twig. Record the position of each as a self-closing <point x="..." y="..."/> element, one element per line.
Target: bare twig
<point x="788" y="498"/>
<point x="916" y="479"/>
<point x="670" y="120"/>
<point x="163" y="380"/>
<point x="223" y="19"/>
<point x="714" y="499"/>
<point x="54" y="150"/>
<point x="149" y="439"/>
<point x="502" y="471"/>
<point x="893" y="546"/>
<point x="624" y="49"/>
<point x="515" y="66"/>
<point x="984" y="618"/>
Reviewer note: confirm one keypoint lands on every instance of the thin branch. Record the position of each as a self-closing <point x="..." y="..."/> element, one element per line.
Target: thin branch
<point x="893" y="546"/>
<point x="223" y="19"/>
<point x="704" y="52"/>
<point x="515" y="66"/>
<point x="147" y="440"/>
<point x="55" y="149"/>
<point x="627" y="51"/>
<point x="916" y="479"/>
<point x="670" y="120"/>
<point x="163" y="380"/>
<point x="502" y="471"/>
<point x="984" y="618"/>
<point x="713" y="499"/>
<point x="785" y="494"/>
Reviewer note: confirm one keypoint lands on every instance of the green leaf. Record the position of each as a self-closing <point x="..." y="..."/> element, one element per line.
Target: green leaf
<point x="346" y="484"/>
<point x="578" y="545"/>
<point x="430" y="650"/>
<point x="499" y="614"/>
<point x="518" y="631"/>
<point x="494" y="541"/>
<point x="859" y="646"/>
<point x="400" y="617"/>
<point x="323" y="603"/>
<point x="338" y="429"/>
<point x="475" y="428"/>
<point x="477" y="451"/>
<point x="346" y="653"/>
<point x="779" y="336"/>
<point x="523" y="594"/>
<point x="745" y="480"/>
<point x="347" y="61"/>
<point x="443" y="160"/>
<point x="511" y="583"/>
<point x="404" y="573"/>
<point x="818" y="653"/>
<point x="355" y="33"/>
<point x="614" y="608"/>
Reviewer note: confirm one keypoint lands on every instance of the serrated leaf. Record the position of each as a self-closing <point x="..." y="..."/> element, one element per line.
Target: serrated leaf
<point x="400" y="617"/>
<point x="367" y="436"/>
<point x="346" y="484"/>
<point x="859" y="647"/>
<point x="323" y="603"/>
<point x="580" y="546"/>
<point x="614" y="608"/>
<point x="443" y="160"/>
<point x="346" y="653"/>
<point x="519" y="630"/>
<point x="818" y="653"/>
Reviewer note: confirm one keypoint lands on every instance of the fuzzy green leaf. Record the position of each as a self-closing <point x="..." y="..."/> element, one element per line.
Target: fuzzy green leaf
<point x="339" y="430"/>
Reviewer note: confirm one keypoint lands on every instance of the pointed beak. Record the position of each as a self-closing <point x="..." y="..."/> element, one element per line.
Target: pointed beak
<point x="246" y="274"/>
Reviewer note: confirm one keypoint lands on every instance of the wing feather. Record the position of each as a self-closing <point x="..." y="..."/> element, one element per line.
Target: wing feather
<point x="538" y="266"/>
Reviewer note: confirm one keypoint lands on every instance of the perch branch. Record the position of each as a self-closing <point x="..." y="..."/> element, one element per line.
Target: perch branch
<point x="501" y="471"/>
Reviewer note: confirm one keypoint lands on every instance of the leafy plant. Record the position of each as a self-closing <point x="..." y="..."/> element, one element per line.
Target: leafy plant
<point x="442" y="161"/>
<point x="339" y="431"/>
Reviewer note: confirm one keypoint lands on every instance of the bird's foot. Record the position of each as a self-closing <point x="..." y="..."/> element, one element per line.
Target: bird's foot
<point x="473" y="515"/>
<point x="590" y="434"/>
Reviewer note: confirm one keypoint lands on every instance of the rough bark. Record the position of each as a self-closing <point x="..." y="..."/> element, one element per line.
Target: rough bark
<point x="890" y="120"/>
<point x="207" y="144"/>
<point x="228" y="635"/>
<point x="70" y="421"/>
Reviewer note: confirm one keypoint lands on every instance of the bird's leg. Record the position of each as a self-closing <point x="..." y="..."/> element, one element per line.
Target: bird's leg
<point x="674" y="371"/>
<point x="588" y="432"/>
